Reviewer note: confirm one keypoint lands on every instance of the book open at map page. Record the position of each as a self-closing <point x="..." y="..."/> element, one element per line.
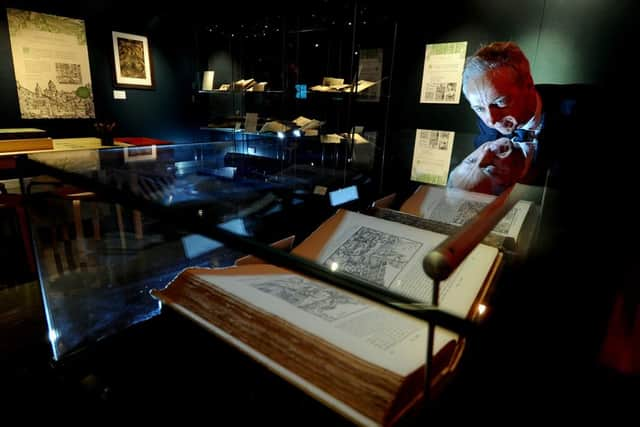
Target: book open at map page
<point x="456" y="207"/>
<point x="362" y="359"/>
<point x="390" y="255"/>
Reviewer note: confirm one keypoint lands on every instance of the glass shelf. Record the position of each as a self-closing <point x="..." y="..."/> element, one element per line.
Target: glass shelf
<point x="217" y="91"/>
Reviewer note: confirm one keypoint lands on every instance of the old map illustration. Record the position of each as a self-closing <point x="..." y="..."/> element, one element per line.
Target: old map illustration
<point x="51" y="65"/>
<point x="373" y="255"/>
<point x="468" y="209"/>
<point x="329" y="304"/>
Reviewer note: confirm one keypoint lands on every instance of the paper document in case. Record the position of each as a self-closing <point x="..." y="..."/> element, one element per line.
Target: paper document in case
<point x="332" y="81"/>
<point x="355" y="137"/>
<point x="258" y="87"/>
<point x="390" y="254"/>
<point x="456" y="207"/>
<point x="207" y="80"/>
<point x="307" y="124"/>
<point x="442" y="73"/>
<point x="331" y="138"/>
<point x="274" y="126"/>
<point x="364" y="85"/>
<point x="432" y="152"/>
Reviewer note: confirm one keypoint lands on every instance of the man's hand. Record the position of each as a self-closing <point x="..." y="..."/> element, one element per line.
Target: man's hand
<point x="503" y="161"/>
<point x="491" y="168"/>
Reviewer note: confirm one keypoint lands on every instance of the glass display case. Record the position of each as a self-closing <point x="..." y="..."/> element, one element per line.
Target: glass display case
<point x="112" y="231"/>
<point x="318" y="78"/>
<point x="106" y="256"/>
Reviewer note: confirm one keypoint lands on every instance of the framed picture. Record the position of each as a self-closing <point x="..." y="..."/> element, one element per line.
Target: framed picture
<point x="132" y="61"/>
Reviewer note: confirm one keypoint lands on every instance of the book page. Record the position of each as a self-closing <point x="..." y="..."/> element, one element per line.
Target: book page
<point x="456" y="207"/>
<point x="432" y="156"/>
<point x="332" y="81"/>
<point x="370" y="331"/>
<point x="389" y="254"/>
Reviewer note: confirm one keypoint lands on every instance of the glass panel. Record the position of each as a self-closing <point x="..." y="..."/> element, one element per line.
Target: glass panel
<point x="117" y="223"/>
<point x="120" y="222"/>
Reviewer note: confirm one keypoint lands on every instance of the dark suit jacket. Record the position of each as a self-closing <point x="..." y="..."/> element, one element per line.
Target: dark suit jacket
<point x="568" y="129"/>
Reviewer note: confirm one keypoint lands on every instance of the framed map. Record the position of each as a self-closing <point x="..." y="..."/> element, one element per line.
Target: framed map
<point x="132" y="61"/>
<point x="51" y="66"/>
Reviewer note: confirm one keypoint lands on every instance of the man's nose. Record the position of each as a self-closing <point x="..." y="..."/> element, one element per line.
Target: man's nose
<point x="494" y="116"/>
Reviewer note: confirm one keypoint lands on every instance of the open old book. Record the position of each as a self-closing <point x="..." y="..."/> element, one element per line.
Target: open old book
<point x="455" y="207"/>
<point x="360" y="358"/>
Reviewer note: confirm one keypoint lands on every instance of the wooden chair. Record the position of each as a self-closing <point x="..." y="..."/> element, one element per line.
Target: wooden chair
<point x="71" y="250"/>
<point x="15" y="203"/>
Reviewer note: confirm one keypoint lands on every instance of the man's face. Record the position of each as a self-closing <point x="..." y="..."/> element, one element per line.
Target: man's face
<point x="500" y="102"/>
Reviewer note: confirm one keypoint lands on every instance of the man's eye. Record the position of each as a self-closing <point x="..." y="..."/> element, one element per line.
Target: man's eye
<point x="500" y="103"/>
<point x="478" y="109"/>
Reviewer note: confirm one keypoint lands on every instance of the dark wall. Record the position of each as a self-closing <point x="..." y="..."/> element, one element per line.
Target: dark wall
<point x="164" y="112"/>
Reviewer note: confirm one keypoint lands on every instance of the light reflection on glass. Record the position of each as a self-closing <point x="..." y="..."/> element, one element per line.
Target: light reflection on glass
<point x="53" y="336"/>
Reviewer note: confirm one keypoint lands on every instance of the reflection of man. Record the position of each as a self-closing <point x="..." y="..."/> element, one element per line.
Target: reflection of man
<point x="522" y="126"/>
<point x="499" y="87"/>
<point x="492" y="167"/>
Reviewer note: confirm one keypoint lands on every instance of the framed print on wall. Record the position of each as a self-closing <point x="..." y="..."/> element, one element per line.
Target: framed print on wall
<point x="132" y="61"/>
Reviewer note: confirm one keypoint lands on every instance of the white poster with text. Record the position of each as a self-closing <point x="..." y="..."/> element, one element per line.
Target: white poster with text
<point x="51" y="65"/>
<point x="442" y="73"/>
<point x="432" y="156"/>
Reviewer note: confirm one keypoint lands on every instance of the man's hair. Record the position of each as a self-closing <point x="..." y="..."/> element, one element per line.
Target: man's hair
<point x="495" y="56"/>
